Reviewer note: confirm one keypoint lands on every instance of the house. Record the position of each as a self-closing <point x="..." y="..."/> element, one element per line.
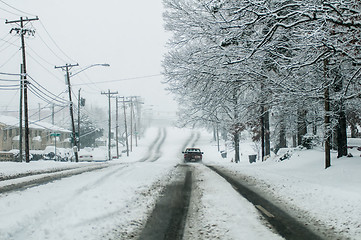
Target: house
<point x="41" y="134"/>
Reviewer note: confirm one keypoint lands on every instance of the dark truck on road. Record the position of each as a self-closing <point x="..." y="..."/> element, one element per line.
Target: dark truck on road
<point x="192" y="155"/>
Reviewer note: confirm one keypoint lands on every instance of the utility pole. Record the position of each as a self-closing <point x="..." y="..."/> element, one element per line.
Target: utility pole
<point x="21" y="114"/>
<point x="66" y="68"/>
<point x="110" y="124"/>
<point x="138" y="125"/>
<point x="135" y="128"/>
<point x="131" y="124"/>
<point x="22" y="32"/>
<point x="139" y="111"/>
<point x="79" y="119"/>
<point x="126" y="128"/>
<point x="135" y="122"/>
<point x="117" y="125"/>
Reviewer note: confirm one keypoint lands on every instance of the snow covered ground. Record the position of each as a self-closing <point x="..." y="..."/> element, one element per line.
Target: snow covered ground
<point x="329" y="199"/>
<point x="114" y="202"/>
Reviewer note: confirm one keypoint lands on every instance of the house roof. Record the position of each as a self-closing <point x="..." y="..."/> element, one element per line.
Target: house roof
<point x="14" y="122"/>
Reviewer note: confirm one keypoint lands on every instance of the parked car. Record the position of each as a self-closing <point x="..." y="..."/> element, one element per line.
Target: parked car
<point x="85" y="156"/>
<point x="192" y="155"/>
<point x="62" y="154"/>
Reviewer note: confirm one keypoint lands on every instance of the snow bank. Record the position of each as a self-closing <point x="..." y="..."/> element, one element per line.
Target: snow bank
<point x="328" y="198"/>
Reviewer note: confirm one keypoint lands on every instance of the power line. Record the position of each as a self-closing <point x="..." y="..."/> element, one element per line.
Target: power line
<point x="9" y="89"/>
<point x="8" y="80"/>
<point x="13" y="85"/>
<point x="9" y="11"/>
<point x="119" y="80"/>
<point x="54" y="97"/>
<point x="11" y="57"/>
<point x="51" y="50"/>
<point x="36" y="113"/>
<point x="44" y="60"/>
<point x="11" y="99"/>
<point x="96" y="90"/>
<point x="16" y="8"/>
<point x="40" y="96"/>
<point x="44" y="95"/>
<point x="46" y="69"/>
<point x="10" y="74"/>
<point x="8" y="42"/>
<point x="52" y="39"/>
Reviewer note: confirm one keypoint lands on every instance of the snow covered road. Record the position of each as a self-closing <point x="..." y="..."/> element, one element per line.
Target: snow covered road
<point x="115" y="202"/>
<point x="85" y="206"/>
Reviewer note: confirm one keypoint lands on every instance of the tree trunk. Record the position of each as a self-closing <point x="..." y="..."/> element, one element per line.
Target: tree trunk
<point x="314" y="124"/>
<point x="267" y="133"/>
<point x="217" y="135"/>
<point x="353" y="130"/>
<point x="301" y="125"/>
<point x="236" y="146"/>
<point x="214" y="134"/>
<point x="236" y="125"/>
<point x="282" y="136"/>
<point x="262" y="134"/>
<point x="327" y="120"/>
<point x="341" y="133"/>
<point x="294" y="140"/>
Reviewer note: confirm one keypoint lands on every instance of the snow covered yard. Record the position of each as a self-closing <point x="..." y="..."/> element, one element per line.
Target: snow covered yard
<point x="328" y="199"/>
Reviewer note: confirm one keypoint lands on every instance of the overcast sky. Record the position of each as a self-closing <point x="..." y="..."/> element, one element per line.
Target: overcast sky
<point x="127" y="34"/>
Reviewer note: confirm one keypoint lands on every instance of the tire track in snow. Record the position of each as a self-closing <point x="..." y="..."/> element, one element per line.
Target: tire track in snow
<point x="188" y="141"/>
<point x="157" y="152"/>
<point x="196" y="139"/>
<point x="286" y="225"/>
<point x="101" y="179"/>
<point x="192" y="140"/>
<point x="150" y="149"/>
<point x="48" y="212"/>
<point x="36" y="172"/>
<point x="154" y="151"/>
<point x="167" y="221"/>
<point x="37" y="179"/>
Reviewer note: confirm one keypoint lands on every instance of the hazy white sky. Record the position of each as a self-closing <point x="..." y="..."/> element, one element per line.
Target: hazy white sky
<point x="127" y="34"/>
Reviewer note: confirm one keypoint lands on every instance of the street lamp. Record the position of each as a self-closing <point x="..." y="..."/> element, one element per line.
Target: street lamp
<point x="93" y="65"/>
<point x="66" y="68"/>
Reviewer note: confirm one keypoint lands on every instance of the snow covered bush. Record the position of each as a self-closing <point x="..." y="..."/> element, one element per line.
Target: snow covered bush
<point x="310" y="140"/>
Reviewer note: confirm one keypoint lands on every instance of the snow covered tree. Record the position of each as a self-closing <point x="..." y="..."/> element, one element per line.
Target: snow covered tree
<point x="276" y="49"/>
<point x="89" y="132"/>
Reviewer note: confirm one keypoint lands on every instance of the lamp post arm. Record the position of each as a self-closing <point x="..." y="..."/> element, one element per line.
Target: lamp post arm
<point x="93" y="65"/>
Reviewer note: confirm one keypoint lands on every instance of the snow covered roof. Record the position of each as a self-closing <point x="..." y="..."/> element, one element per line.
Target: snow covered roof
<point x="50" y="126"/>
<point x="9" y="121"/>
<point x="14" y="122"/>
